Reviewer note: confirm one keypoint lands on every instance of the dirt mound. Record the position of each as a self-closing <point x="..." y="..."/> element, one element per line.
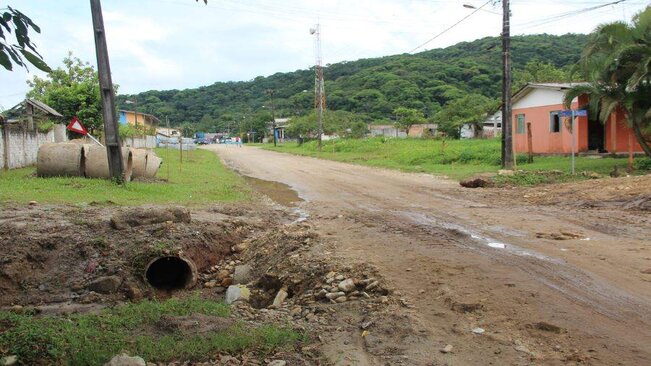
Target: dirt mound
<point x="58" y="254"/>
<point x="627" y="193"/>
<point x="147" y="216"/>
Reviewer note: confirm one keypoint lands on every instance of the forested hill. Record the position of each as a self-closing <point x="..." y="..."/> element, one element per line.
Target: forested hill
<point x="373" y="87"/>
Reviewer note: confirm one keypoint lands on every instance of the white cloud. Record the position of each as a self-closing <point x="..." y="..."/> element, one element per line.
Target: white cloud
<point x="175" y="44"/>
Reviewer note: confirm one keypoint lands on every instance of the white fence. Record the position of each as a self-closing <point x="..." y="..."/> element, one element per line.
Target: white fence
<point x="18" y="147"/>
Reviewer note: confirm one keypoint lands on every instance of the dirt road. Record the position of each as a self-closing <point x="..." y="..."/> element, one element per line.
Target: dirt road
<point x="553" y="283"/>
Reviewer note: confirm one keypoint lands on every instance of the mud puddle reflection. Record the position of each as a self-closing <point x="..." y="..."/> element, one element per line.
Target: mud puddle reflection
<point x="278" y="192"/>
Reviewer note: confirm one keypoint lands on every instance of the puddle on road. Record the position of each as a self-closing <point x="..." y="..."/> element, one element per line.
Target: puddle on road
<point x="497" y="245"/>
<point x="279" y="192"/>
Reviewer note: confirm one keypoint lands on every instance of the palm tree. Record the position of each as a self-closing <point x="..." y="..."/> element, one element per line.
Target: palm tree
<point x="616" y="64"/>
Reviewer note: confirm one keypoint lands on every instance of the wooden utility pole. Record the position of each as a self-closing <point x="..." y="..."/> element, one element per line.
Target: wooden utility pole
<point x="270" y="92"/>
<point x="529" y="143"/>
<point x="507" y="139"/>
<point x="5" y="142"/>
<point x="111" y="134"/>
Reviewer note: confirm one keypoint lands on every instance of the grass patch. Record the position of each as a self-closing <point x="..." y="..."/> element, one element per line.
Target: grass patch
<point x="457" y="159"/>
<point x="200" y="179"/>
<point x="93" y="339"/>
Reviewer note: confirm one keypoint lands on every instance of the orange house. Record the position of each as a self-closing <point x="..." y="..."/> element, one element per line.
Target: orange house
<point x="541" y="104"/>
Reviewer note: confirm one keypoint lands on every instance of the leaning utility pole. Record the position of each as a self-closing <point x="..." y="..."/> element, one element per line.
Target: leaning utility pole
<point x="111" y="134"/>
<point x="270" y="92"/>
<point x="319" y="88"/>
<point x="507" y="140"/>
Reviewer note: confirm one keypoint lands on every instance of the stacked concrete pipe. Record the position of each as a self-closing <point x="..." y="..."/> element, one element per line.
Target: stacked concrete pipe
<point x="140" y="158"/>
<point x="97" y="162"/>
<point x="60" y="159"/>
<point x="153" y="164"/>
<point x="89" y="160"/>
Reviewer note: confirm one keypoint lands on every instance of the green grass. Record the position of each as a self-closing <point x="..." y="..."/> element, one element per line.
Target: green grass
<point x="457" y="159"/>
<point x="199" y="179"/>
<point x="92" y="339"/>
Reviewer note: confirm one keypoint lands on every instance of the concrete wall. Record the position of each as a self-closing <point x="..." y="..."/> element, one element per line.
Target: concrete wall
<point x="22" y="146"/>
<point x="144" y="142"/>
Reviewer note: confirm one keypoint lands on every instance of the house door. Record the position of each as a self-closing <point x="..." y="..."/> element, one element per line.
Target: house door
<point x="595" y="135"/>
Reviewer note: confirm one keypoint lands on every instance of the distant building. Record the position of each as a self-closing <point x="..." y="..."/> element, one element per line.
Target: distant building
<point x="168" y="132"/>
<point x="136" y="118"/>
<point x="423" y="130"/>
<point x="281" y="125"/>
<point x="30" y="111"/>
<point x="386" y="131"/>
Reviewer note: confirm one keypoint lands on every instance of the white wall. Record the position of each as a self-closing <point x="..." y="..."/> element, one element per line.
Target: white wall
<point x="144" y="142"/>
<point x="539" y="97"/>
<point x="23" y="145"/>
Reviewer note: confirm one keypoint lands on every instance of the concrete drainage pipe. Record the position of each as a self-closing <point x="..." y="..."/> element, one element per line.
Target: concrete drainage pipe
<point x="97" y="162"/>
<point x="171" y="273"/>
<point x="55" y="160"/>
<point x="153" y="164"/>
<point x="140" y="158"/>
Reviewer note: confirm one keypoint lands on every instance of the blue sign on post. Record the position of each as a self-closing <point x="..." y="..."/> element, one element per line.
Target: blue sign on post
<point x="577" y="113"/>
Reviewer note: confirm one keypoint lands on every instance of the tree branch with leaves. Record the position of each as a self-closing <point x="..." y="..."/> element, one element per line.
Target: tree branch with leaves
<point x="15" y="45"/>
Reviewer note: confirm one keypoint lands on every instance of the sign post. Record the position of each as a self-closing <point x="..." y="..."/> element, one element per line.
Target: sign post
<point x="76" y="126"/>
<point x="574" y="113"/>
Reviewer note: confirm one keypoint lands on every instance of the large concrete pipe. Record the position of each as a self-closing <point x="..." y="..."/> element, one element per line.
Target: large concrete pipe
<point x="140" y="157"/>
<point x="171" y="273"/>
<point x="153" y="164"/>
<point x="60" y="159"/>
<point x="97" y="162"/>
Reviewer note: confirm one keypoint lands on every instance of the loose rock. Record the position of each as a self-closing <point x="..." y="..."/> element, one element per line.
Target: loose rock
<point x="242" y="274"/>
<point x="334" y="295"/>
<point x="126" y="360"/>
<point x="237" y="293"/>
<point x="105" y="285"/>
<point x="280" y="298"/>
<point x="347" y="285"/>
<point x="477" y="182"/>
<point x="277" y="363"/>
<point x="9" y="360"/>
<point x="447" y="349"/>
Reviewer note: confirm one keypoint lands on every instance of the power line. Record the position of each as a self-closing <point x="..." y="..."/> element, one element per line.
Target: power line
<point x="450" y="27"/>
<point x="564" y="15"/>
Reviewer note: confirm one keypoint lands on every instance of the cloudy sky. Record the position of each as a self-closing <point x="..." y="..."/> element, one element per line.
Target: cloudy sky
<point x="177" y="44"/>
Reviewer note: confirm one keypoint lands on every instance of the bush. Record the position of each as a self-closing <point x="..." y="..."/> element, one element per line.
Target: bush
<point x="643" y="164"/>
<point x="45" y="127"/>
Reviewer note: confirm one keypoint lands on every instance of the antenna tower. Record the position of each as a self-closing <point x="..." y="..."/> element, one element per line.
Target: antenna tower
<point x="319" y="88"/>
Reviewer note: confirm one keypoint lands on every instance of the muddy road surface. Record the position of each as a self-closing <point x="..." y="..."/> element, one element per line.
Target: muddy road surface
<point x="546" y="275"/>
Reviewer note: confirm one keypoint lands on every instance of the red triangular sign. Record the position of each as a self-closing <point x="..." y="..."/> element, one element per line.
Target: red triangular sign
<point x="76" y="126"/>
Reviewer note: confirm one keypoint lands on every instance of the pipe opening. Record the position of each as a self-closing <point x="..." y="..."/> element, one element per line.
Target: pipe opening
<point x="170" y="273"/>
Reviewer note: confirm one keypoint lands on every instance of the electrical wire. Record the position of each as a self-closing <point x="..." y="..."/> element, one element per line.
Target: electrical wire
<point x="450" y="27"/>
<point x="564" y="15"/>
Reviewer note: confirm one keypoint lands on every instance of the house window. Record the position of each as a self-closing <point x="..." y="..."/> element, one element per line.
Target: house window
<point x="520" y="127"/>
<point x="554" y="122"/>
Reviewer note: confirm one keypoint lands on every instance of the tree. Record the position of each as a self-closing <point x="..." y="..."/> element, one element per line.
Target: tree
<point x="406" y="117"/>
<point x="616" y="64"/>
<point x="14" y="21"/>
<point x="73" y="91"/>
<point x="471" y="109"/>
<point x="536" y="71"/>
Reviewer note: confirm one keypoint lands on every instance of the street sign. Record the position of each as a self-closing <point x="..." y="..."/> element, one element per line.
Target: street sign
<point x="575" y="113"/>
<point x="76" y="126"/>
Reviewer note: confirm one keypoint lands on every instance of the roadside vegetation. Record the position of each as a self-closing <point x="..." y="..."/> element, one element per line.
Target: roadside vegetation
<point x="457" y="159"/>
<point x="142" y="329"/>
<point x="200" y="179"/>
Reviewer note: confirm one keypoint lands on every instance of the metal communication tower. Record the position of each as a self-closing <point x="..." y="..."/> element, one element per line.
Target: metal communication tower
<point x="319" y="88"/>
